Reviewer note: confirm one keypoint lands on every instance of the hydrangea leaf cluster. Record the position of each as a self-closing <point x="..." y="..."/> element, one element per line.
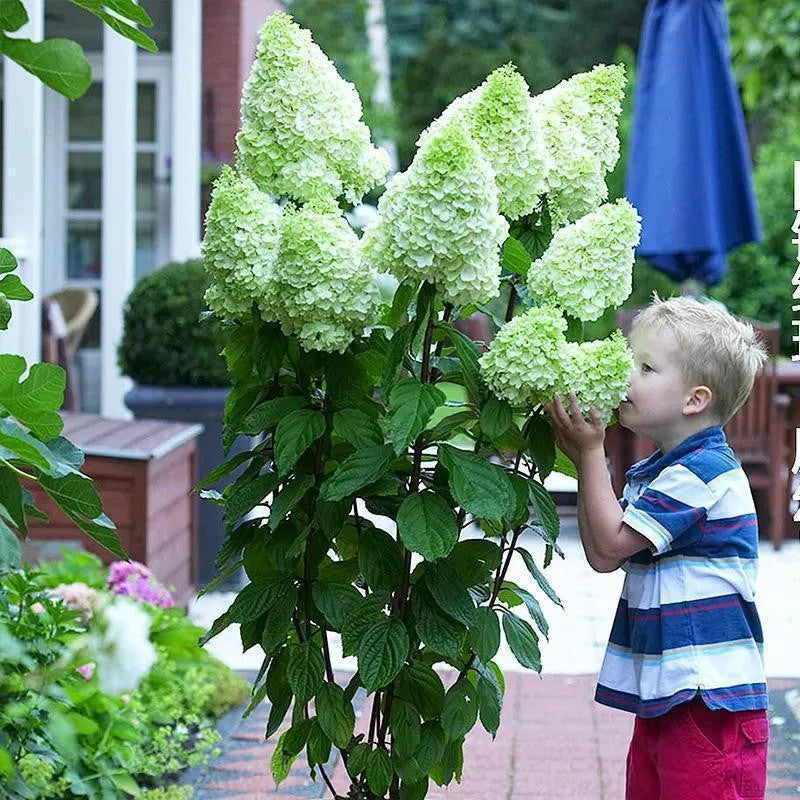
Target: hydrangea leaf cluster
<point x="301" y="133"/>
<point x="240" y="244"/>
<point x="325" y="294"/>
<point x="579" y="122"/>
<point x="589" y="263"/>
<point x="499" y="117"/>
<point x="439" y="220"/>
<point x="524" y="362"/>
<point x="598" y="373"/>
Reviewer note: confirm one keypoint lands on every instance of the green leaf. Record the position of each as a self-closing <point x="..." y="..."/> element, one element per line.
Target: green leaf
<point x="414" y="791"/>
<point x="117" y="25"/>
<point x="101" y="529"/>
<point x="305" y="671"/>
<point x="429" y="753"/>
<point x="16" y="443"/>
<point x="10" y="547"/>
<point x="356" y="471"/>
<point x="451" y="763"/>
<point x="474" y="560"/>
<point x="14" y="289"/>
<point x="516" y="258"/>
<point x="544" y="584"/>
<point x="398" y="347"/>
<point x="523" y="642"/>
<point x="75" y="492"/>
<point x="546" y="509"/>
<point x="244" y="496"/>
<point x="335" y="714"/>
<point x="35" y="401"/>
<point x="349" y="383"/>
<point x="534" y="609"/>
<point x="295" y="433"/>
<point x="490" y="704"/>
<point x="11" y="499"/>
<point x="12" y="15"/>
<point x="58" y="63"/>
<point x="449" y="593"/>
<point x="360" y="619"/>
<point x="427" y="525"/>
<point x="448" y="426"/>
<point x="5" y="313"/>
<point x="335" y="601"/>
<point x="319" y="745"/>
<point x="402" y="298"/>
<point x="269" y="349"/>
<point x="7" y="261"/>
<point x="521" y="513"/>
<point x="256" y="598"/>
<point x="482" y="488"/>
<point x="292" y="493"/>
<point x="281" y="762"/>
<point x="224" y="469"/>
<point x="460" y="711"/>
<point x="437" y="630"/>
<point x="405" y="726"/>
<point x="484" y="635"/>
<point x="468" y="354"/>
<point x="68" y="458"/>
<point x="356" y="428"/>
<point x="412" y="405"/>
<point x="359" y="757"/>
<point x="541" y="444"/>
<point x="382" y="653"/>
<point x="379" y="559"/>
<point x="279" y="620"/>
<point x="565" y="466"/>
<point x="420" y="685"/>
<point x="379" y="771"/>
<point x="496" y="417"/>
<point x="268" y="414"/>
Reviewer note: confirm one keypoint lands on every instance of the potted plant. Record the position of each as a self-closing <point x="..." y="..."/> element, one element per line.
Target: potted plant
<point x="173" y="356"/>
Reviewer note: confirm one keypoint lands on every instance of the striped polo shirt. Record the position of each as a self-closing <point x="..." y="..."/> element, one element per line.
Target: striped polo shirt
<point x="687" y="620"/>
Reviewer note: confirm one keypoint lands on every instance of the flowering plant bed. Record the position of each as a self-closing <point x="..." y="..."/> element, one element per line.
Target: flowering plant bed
<point x="384" y="431"/>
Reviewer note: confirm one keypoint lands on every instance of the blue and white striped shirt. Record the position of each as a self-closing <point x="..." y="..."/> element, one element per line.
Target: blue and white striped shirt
<point x="687" y="621"/>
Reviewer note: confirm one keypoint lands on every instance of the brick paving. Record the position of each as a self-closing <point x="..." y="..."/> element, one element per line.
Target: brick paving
<point x="554" y="743"/>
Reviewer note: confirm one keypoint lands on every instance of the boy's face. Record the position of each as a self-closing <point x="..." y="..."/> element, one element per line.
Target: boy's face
<point x="658" y="392"/>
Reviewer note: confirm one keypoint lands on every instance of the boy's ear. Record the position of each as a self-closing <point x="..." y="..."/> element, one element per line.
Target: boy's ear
<point x="699" y="400"/>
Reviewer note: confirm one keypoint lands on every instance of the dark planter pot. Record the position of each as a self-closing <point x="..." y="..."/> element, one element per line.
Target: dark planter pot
<point x="206" y="406"/>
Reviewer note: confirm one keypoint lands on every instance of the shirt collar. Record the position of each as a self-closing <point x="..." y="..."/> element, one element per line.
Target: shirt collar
<point x="708" y="438"/>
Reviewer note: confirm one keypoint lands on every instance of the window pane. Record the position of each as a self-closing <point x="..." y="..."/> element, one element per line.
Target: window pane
<point x="145" y="247"/>
<point x="86" y="116"/>
<point x="83" y="249"/>
<point x="146" y="112"/>
<point x="145" y="182"/>
<point x="85" y="181"/>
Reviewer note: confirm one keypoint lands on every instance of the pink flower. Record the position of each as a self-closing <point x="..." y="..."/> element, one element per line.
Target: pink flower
<point x="133" y="579"/>
<point x="87" y="670"/>
<point x="37" y="608"/>
<point x="78" y="597"/>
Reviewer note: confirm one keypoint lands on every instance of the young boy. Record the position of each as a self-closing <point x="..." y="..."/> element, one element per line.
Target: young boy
<point x="685" y="650"/>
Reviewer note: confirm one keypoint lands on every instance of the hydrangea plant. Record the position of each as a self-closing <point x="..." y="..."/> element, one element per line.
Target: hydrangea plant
<point x="382" y="431"/>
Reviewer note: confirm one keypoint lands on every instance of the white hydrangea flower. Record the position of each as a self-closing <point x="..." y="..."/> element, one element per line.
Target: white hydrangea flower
<point x="439" y="221"/>
<point x="598" y="372"/>
<point x="121" y="647"/>
<point x="524" y="363"/>
<point x="240" y="244"/>
<point x="499" y="117"/>
<point x="589" y="263"/>
<point x="325" y="294"/>
<point x="302" y="134"/>
<point x="579" y="119"/>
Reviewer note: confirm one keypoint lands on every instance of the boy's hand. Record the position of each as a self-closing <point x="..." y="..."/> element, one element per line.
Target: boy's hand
<point x="574" y="435"/>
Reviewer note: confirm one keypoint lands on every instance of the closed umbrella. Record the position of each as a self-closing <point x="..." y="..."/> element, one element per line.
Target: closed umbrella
<point x="689" y="172"/>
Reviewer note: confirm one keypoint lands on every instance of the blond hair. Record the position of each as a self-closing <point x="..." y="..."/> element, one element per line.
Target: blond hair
<point x="716" y="349"/>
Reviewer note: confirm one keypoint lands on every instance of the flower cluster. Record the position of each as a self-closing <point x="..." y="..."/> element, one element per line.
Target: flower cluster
<point x="240" y="245"/>
<point x="579" y="123"/>
<point x="530" y="361"/>
<point x="77" y="597"/>
<point x="120" y="646"/>
<point x="588" y="265"/>
<point x="498" y="115"/>
<point x="327" y="295"/>
<point x="439" y="220"/>
<point x="302" y="134"/>
<point x="598" y="372"/>
<point x="132" y="579"/>
<point x="523" y="364"/>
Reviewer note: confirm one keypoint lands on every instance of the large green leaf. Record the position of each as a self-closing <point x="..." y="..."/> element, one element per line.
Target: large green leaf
<point x="496" y="417"/>
<point x="398" y="347"/>
<point x="5" y="312"/>
<point x="256" y="598"/>
<point x="359" y="620"/>
<point x="460" y="710"/>
<point x="429" y="753"/>
<point x="279" y="619"/>
<point x="564" y="465"/>
<point x="445" y="429"/>
<point x="405" y="726"/>
<point x="319" y="745"/>
<point x="124" y="8"/>
<point x="474" y="560"/>
<point x="484" y="635"/>
<point x="531" y="603"/>
<point x="335" y="601"/>
<point x="357" y="428"/>
<point x="420" y="685"/>
<point x="8" y="263"/>
<point x="18" y="444"/>
<point x="449" y="592"/>
<point x="269" y="349"/>
<point x="379" y="772"/>
<point x="11" y="499"/>
<point x="541" y="444"/>
<point x="10" y="547"/>
<point x="268" y="414"/>
<point x="382" y="653"/>
<point x="546" y="509"/>
<point x="101" y="529"/>
<point x="335" y="714"/>
<point x="74" y="492"/>
<point x="58" y="63"/>
<point x="305" y="670"/>
<point x="379" y="559"/>
<point x="289" y="496"/>
<point x="14" y="289"/>
<point x="412" y="405"/>
<point x="34" y="401"/>
<point x="437" y="630"/>
<point x="427" y="525"/>
<point x="295" y="433"/>
<point x="523" y="642"/>
<point x="244" y="496"/>
<point x="516" y="258"/>
<point x="356" y="471"/>
<point x="544" y="584"/>
<point x="468" y="354"/>
<point x="12" y="17"/>
<point x="490" y="704"/>
<point x="482" y="488"/>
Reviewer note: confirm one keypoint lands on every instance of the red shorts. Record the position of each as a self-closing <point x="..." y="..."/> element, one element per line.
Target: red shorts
<point x="694" y="753"/>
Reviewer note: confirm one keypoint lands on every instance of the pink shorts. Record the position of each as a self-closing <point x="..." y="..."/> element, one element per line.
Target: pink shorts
<point x="694" y="753"/>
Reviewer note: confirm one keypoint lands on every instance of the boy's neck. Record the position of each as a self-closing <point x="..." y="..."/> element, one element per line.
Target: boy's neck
<point x="687" y="428"/>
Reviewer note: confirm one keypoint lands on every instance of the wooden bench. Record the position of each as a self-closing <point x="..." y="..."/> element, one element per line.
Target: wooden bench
<point x="144" y="471"/>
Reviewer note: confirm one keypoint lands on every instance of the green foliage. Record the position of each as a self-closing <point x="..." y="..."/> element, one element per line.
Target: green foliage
<point x="164" y="340"/>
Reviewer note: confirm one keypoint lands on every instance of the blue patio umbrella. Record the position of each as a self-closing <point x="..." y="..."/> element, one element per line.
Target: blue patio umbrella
<point x="689" y="172"/>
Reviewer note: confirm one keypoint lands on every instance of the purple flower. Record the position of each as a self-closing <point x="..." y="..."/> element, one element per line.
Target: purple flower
<point x="133" y="579"/>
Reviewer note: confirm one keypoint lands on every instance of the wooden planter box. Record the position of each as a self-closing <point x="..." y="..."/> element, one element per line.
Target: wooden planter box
<point x="144" y="471"/>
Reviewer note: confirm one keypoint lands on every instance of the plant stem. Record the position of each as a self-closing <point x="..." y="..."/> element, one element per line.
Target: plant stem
<point x="18" y="471"/>
<point x="512" y="299"/>
<point x="448" y="310"/>
<point x="327" y="780"/>
<point x="327" y="653"/>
